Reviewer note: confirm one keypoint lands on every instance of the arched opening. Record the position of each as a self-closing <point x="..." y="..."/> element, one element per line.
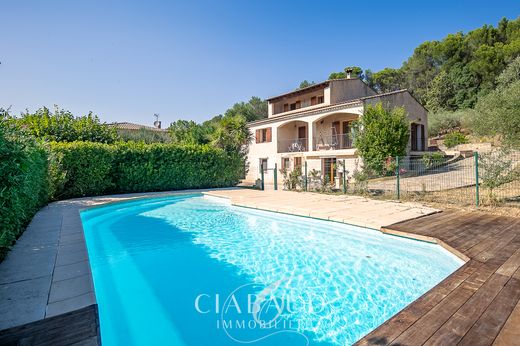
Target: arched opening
<point x="293" y="137"/>
<point x="334" y="132"/>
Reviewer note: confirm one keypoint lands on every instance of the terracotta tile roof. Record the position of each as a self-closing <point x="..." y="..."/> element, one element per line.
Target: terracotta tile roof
<point x="132" y="126"/>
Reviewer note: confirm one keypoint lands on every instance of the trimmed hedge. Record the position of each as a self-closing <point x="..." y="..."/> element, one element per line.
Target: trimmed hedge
<point x="33" y="173"/>
<point x="24" y="184"/>
<point x="90" y="169"/>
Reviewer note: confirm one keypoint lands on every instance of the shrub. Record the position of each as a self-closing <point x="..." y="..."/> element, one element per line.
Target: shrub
<point x="381" y="133"/>
<point x="431" y="160"/>
<point x="24" y="187"/>
<point x="90" y="169"/>
<point x="454" y="138"/>
<point x="445" y="121"/>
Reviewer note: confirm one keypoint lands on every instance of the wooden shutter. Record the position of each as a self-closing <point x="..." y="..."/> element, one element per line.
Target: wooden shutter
<point x="314" y="101"/>
<point x="268" y="134"/>
<point x="286" y="107"/>
<point x="258" y="136"/>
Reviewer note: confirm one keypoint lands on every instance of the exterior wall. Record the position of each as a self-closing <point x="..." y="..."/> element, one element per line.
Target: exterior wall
<point x="349" y="89"/>
<point x="319" y="122"/>
<point x="283" y="129"/>
<point x="305" y="99"/>
<point x="416" y="112"/>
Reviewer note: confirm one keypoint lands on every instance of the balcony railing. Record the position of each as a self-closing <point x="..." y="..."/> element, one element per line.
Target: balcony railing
<point x="335" y="142"/>
<point x="292" y="145"/>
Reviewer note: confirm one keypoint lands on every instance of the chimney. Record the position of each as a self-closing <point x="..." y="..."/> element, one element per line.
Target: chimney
<point x="157" y="122"/>
<point x="348" y="71"/>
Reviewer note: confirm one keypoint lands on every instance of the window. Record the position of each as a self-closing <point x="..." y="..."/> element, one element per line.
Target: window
<point x="263" y="135"/>
<point x="262" y="165"/>
<point x="298" y="104"/>
<point x="320" y="99"/>
<point x="293" y="106"/>
<point x="314" y="100"/>
<point x="286" y="107"/>
<point x="286" y="163"/>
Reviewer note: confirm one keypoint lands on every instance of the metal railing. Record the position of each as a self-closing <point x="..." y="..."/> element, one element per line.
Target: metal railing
<point x="335" y="142"/>
<point x="292" y="145"/>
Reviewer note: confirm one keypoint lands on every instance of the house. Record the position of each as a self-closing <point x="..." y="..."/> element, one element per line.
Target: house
<point x="314" y="125"/>
<point x="126" y="126"/>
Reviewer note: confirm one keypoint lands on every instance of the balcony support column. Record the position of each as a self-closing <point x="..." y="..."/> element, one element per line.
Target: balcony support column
<point x="310" y="136"/>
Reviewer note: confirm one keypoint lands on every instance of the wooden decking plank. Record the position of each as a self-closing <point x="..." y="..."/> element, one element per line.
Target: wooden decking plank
<point x="459" y="324"/>
<point x="510" y="333"/>
<point x="485" y="330"/>
<point x="510" y="228"/>
<point x="474" y="233"/>
<point x="392" y="328"/>
<point x="428" y="324"/>
<point x="511" y="265"/>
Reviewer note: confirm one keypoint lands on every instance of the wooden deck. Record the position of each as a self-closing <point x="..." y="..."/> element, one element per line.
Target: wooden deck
<point x="476" y="305"/>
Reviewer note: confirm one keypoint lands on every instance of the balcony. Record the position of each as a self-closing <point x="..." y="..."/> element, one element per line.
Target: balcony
<point x="292" y="145"/>
<point x="335" y="142"/>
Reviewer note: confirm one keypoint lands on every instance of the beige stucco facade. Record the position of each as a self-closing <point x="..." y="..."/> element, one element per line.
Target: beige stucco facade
<point x="320" y="135"/>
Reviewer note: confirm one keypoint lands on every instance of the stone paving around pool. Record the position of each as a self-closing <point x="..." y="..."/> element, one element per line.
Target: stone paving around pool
<point x="354" y="210"/>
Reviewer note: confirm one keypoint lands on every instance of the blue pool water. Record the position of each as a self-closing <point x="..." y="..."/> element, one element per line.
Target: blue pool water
<point x="193" y="270"/>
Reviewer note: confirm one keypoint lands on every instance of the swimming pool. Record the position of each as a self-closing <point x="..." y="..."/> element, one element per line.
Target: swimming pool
<point x="194" y="270"/>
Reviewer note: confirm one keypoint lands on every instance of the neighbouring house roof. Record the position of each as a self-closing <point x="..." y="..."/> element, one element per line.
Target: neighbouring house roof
<point x="132" y="126"/>
<point x="325" y="108"/>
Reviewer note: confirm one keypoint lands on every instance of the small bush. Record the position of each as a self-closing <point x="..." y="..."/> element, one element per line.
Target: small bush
<point x="454" y="138"/>
<point x="24" y="184"/>
<point x="445" y="121"/>
<point x="431" y="160"/>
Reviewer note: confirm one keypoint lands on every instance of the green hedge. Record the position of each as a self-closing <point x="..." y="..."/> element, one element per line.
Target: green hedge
<point x="33" y="173"/>
<point x="24" y="184"/>
<point x="88" y="169"/>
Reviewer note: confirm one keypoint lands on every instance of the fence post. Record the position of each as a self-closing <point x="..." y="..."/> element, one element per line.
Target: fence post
<point x="275" y="177"/>
<point x="397" y="174"/>
<point x="344" y="178"/>
<point x="477" y="196"/>
<point x="305" y="177"/>
<point x="262" y="175"/>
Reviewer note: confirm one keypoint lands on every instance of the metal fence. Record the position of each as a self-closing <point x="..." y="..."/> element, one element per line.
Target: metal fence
<point x="477" y="179"/>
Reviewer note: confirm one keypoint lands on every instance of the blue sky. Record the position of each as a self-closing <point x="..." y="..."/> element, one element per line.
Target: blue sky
<point x="126" y="60"/>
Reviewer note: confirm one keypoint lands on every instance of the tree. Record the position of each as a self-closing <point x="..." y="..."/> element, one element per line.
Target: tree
<point x="381" y="134"/>
<point x="440" y="94"/>
<point x="62" y="126"/>
<point x="188" y="132"/>
<point x="254" y="109"/>
<point x="232" y="135"/>
<point x="388" y="79"/>
<point x="305" y="84"/>
<point x="357" y="72"/>
<point x="498" y="114"/>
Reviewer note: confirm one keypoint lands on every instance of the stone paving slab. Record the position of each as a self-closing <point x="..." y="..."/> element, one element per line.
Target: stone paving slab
<point x="353" y="210"/>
